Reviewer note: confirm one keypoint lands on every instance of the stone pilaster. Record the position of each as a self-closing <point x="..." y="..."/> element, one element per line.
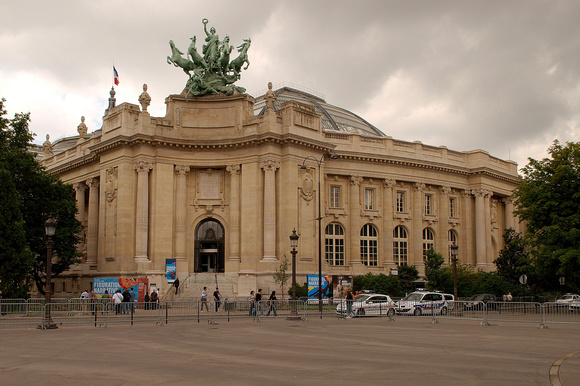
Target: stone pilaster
<point x="354" y="219"/>
<point x="388" y="208"/>
<point x="270" y="168"/>
<point x="180" y="210"/>
<point x="234" y="212"/>
<point x="416" y="235"/>
<point x="93" y="223"/>
<point x="142" y="211"/>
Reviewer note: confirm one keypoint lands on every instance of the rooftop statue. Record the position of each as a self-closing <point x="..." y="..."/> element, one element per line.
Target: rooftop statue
<point x="212" y="73"/>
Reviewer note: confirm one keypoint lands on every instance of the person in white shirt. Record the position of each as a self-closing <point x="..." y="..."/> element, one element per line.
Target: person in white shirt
<point x="204" y="299"/>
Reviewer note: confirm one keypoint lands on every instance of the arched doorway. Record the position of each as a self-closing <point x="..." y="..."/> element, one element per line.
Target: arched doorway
<point x="209" y="246"/>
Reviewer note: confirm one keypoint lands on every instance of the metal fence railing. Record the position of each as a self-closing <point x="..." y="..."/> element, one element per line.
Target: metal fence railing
<point x="103" y="312"/>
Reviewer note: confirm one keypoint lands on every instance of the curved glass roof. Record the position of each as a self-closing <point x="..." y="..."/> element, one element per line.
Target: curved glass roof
<point x="333" y="118"/>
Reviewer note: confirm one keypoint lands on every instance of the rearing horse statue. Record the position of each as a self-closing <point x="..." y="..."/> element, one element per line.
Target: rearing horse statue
<point x="237" y="63"/>
<point x="178" y="61"/>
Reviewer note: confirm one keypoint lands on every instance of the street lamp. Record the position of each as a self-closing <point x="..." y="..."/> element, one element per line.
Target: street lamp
<point x="453" y="248"/>
<point x="294" y="244"/>
<point x="50" y="228"/>
<point x="319" y="219"/>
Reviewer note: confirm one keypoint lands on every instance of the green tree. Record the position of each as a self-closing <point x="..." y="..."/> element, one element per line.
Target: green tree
<point x="281" y="274"/>
<point x="548" y="200"/>
<point x="513" y="260"/>
<point x="433" y="271"/>
<point x="39" y="195"/>
<point x="407" y="274"/>
<point x="15" y="256"/>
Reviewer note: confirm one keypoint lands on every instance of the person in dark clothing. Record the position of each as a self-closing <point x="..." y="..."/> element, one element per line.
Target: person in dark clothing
<point x="176" y="285"/>
<point x="217" y="298"/>
<point x="146" y="299"/>
<point x="126" y="300"/>
<point x="272" y="304"/>
<point x="259" y="301"/>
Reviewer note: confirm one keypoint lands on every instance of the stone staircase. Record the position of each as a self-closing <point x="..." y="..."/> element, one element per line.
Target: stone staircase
<point x="191" y="287"/>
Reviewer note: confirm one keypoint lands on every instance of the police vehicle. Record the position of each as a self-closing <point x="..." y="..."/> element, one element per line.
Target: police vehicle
<point x="422" y="303"/>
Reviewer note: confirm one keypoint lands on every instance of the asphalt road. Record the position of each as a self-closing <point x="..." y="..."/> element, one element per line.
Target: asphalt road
<point x="406" y="351"/>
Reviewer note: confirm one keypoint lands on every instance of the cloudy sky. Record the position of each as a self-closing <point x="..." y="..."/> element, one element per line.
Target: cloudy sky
<point x="503" y="76"/>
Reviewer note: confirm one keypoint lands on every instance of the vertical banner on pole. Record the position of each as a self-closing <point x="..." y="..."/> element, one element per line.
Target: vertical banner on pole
<point x="170" y="270"/>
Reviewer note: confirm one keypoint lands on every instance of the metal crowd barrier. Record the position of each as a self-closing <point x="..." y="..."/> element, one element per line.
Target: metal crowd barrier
<point x="103" y="312"/>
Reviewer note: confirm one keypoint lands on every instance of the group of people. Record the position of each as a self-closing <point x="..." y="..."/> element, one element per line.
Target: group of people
<point x="255" y="303"/>
<point x="217" y="298"/>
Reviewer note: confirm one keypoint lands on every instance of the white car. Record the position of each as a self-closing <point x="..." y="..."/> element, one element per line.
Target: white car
<point x="574" y="306"/>
<point x="369" y="304"/>
<point x="422" y="303"/>
<point x="567" y="299"/>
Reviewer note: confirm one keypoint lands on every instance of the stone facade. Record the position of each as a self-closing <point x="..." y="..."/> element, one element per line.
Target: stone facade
<point x="219" y="186"/>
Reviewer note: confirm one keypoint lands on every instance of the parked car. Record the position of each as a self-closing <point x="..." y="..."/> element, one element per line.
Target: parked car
<point x="568" y="298"/>
<point x="476" y="302"/>
<point x="574" y="306"/>
<point x="422" y="303"/>
<point x="450" y="299"/>
<point x="369" y="304"/>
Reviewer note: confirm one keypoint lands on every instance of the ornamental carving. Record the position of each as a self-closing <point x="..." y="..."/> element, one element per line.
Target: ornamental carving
<point x="270" y="165"/>
<point x="389" y="182"/>
<point x="306" y="184"/>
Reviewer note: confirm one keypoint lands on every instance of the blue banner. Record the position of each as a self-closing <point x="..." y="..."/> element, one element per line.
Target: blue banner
<point x="313" y="286"/>
<point x="170" y="270"/>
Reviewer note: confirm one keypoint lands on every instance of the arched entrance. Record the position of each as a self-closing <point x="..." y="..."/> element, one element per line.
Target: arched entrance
<point x="209" y="247"/>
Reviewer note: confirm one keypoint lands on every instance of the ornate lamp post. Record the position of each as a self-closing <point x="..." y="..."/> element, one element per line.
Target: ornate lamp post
<point x="50" y="228"/>
<point x="294" y="244"/>
<point x="453" y="248"/>
<point x="319" y="219"/>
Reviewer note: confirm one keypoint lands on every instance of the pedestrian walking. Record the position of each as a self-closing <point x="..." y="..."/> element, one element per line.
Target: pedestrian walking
<point x="217" y="298"/>
<point x="147" y="300"/>
<point x="252" y="303"/>
<point x="176" y="285"/>
<point x="93" y="301"/>
<point x="349" y="301"/>
<point x="272" y="303"/>
<point x="204" y="299"/>
<point x="259" y="301"/>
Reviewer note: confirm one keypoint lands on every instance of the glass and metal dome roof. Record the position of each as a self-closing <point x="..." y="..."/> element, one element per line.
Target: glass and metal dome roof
<point x="333" y="118"/>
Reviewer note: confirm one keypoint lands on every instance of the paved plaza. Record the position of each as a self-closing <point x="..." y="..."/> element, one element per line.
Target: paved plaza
<point x="277" y="351"/>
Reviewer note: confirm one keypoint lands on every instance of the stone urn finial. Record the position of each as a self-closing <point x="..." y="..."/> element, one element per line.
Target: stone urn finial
<point x="144" y="99"/>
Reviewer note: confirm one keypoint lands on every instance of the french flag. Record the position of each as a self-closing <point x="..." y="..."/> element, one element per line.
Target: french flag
<point x="115" y="76"/>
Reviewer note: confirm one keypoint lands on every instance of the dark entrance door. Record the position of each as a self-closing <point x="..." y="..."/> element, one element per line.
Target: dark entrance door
<point x="209" y="247"/>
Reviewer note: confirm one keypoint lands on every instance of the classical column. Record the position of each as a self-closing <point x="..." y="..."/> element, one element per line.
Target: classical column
<point x="234" y="212"/>
<point x="142" y="223"/>
<point x="488" y="226"/>
<point x="93" y="225"/>
<point x="509" y="212"/>
<point x="442" y="236"/>
<point x="80" y="191"/>
<point x="180" y="210"/>
<point x="270" y="168"/>
<point x="354" y="216"/>
<point x="388" y="221"/>
<point x="416" y="235"/>
<point x="480" y="227"/>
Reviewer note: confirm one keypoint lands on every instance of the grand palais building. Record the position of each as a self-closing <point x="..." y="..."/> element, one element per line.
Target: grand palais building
<point x="220" y="182"/>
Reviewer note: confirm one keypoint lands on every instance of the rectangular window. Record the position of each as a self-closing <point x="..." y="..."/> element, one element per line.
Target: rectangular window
<point x="335" y="196"/>
<point x="428" y="204"/>
<point x="369" y="198"/>
<point x="400" y="252"/>
<point x="452" y="209"/>
<point x="335" y="251"/>
<point x="369" y="251"/>
<point x="400" y="206"/>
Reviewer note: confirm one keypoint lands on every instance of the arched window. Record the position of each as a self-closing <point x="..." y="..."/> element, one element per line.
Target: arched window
<point x="334" y="244"/>
<point x="400" y="245"/>
<point x="369" y="245"/>
<point x="427" y="242"/>
<point x="452" y="238"/>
